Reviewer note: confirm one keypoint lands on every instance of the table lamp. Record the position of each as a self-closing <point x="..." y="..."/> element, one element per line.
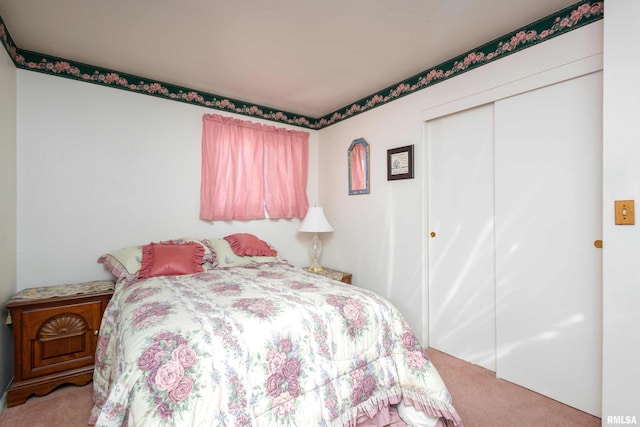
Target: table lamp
<point x="315" y="222"/>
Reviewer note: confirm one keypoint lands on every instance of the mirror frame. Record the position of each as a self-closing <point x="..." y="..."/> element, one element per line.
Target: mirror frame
<point x="365" y="190"/>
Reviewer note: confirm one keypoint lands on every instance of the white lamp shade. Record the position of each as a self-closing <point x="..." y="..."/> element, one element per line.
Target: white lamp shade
<point x="315" y="221"/>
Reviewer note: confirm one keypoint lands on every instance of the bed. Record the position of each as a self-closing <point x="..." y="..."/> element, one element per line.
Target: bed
<point x="244" y="338"/>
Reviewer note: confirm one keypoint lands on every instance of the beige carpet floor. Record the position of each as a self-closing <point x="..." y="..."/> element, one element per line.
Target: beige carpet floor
<point x="480" y="398"/>
<point x="66" y="406"/>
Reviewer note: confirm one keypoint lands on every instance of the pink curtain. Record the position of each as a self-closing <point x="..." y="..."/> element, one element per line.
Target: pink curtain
<point x="248" y="167"/>
<point x="287" y="165"/>
<point x="232" y="184"/>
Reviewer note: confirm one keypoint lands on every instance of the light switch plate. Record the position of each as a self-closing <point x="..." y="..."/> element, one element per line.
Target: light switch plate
<point x="625" y="214"/>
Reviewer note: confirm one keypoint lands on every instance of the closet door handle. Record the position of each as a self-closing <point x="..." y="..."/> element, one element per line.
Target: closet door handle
<point x="432" y="234"/>
<point x="598" y="244"/>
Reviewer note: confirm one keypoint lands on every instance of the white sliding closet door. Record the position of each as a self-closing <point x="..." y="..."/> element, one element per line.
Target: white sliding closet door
<point x="548" y="157"/>
<point x="460" y="216"/>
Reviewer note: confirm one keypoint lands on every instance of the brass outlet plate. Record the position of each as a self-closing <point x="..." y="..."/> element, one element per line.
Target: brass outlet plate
<point x="625" y="214"/>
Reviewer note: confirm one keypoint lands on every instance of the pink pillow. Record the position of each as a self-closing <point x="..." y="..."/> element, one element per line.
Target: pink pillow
<point x="171" y="259"/>
<point x="245" y="244"/>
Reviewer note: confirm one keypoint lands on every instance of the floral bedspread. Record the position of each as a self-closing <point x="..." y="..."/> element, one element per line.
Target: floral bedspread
<point x="260" y="346"/>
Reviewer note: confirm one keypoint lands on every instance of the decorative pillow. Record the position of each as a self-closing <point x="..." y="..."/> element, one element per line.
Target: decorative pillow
<point x="227" y="258"/>
<point x="171" y="259"/>
<point x="123" y="263"/>
<point x="245" y="244"/>
<point x="209" y="257"/>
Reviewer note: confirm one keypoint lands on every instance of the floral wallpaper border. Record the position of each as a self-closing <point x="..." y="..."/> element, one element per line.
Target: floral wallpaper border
<point x="583" y="13"/>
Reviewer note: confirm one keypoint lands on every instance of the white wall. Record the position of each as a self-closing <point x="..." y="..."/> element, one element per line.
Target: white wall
<point x="100" y="169"/>
<point x="621" y="250"/>
<point x="7" y="211"/>
<point x="381" y="237"/>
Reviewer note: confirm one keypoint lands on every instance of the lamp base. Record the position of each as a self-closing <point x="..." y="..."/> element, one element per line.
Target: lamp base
<point x="315" y="266"/>
<point x="316" y="250"/>
<point x="315" y="269"/>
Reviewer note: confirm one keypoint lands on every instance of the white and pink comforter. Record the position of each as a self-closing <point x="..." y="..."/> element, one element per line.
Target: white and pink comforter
<point x="271" y="345"/>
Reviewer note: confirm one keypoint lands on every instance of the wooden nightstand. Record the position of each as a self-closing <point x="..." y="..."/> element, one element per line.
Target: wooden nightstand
<point x="55" y="332"/>
<point x="334" y="274"/>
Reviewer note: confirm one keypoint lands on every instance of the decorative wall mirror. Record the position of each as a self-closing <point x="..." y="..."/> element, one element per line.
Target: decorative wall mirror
<point x="358" y="158"/>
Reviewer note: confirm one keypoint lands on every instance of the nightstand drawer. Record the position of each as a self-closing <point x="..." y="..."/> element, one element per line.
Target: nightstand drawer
<point x="59" y="338"/>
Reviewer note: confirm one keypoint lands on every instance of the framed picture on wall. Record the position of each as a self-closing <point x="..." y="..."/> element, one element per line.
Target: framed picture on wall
<point x="400" y="163"/>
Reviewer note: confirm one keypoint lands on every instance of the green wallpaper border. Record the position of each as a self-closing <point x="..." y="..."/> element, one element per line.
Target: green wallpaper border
<point x="47" y="64"/>
<point x="7" y="41"/>
<point x="568" y="19"/>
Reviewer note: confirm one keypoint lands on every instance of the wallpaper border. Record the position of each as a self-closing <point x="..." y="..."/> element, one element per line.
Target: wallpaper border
<point x="580" y="14"/>
<point x="7" y="41"/>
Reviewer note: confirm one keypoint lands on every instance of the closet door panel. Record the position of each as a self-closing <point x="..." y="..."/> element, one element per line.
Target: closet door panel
<point x="548" y="211"/>
<point x="461" y="244"/>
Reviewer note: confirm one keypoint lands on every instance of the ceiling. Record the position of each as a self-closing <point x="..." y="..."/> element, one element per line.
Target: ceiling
<point x="309" y="57"/>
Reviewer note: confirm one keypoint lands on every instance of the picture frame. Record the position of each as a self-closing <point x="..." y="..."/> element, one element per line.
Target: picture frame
<point x="400" y="163"/>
